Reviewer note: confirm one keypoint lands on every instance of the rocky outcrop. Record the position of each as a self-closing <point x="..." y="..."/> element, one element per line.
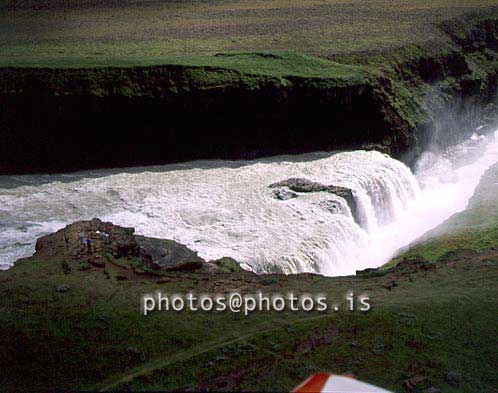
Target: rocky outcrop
<point x="95" y="241"/>
<point x="299" y="185"/>
<point x="93" y="237"/>
<point x="161" y="254"/>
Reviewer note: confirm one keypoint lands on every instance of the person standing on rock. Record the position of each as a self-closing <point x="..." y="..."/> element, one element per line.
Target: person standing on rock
<point x="89" y="244"/>
<point x="108" y="232"/>
<point x="82" y="240"/>
<point x="109" y="229"/>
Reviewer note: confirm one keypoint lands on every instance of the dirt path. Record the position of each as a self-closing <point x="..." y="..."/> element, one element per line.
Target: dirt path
<point x="181" y="357"/>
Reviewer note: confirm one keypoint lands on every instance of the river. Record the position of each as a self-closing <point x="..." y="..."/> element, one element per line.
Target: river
<point x="221" y="208"/>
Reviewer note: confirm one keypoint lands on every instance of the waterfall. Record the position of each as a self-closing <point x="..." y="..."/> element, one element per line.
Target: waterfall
<point x="220" y="208"/>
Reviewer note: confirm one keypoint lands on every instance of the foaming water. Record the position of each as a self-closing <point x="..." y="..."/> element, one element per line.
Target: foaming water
<point x="447" y="182"/>
<point x="225" y="209"/>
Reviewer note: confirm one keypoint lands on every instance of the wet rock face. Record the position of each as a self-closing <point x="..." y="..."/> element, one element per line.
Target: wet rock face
<point x="299" y="185"/>
<point x="283" y="194"/>
<point x="89" y="237"/>
<point x="167" y="255"/>
<point x="304" y="185"/>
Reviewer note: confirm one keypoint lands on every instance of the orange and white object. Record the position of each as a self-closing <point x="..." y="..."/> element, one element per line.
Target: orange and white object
<point x="330" y="383"/>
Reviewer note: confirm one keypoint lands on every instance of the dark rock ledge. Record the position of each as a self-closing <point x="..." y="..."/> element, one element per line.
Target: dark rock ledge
<point x="96" y="241"/>
<point x="299" y="185"/>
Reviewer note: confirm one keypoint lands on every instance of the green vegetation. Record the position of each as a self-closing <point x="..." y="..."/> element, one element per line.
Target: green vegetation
<point x="246" y="71"/>
<point x="94" y="336"/>
<point x="275" y="64"/>
<point x="409" y="83"/>
<point x="55" y="32"/>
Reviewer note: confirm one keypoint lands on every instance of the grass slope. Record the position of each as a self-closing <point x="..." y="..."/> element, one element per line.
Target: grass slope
<point x="475" y="229"/>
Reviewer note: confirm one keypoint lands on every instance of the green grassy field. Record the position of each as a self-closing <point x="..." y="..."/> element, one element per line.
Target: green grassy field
<point x="121" y="32"/>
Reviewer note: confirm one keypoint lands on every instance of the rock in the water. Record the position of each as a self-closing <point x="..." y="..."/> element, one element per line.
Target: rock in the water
<point x="332" y="206"/>
<point x="305" y="185"/>
<point x="283" y="194"/>
<point x="63" y="288"/>
<point x="167" y="254"/>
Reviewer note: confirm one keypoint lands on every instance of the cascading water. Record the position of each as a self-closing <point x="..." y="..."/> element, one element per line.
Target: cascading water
<point x="228" y="209"/>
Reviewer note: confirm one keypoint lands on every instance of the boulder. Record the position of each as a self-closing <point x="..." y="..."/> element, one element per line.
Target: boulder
<point x="167" y="255"/>
<point x="63" y="288"/>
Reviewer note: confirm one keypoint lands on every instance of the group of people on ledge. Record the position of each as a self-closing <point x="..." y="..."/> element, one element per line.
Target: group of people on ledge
<point x="86" y="239"/>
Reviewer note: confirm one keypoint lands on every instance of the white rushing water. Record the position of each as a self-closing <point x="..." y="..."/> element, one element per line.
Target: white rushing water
<point x="227" y="209"/>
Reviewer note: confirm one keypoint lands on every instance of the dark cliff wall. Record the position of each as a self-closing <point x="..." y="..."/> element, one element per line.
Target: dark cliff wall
<point x="69" y="119"/>
<point x="53" y="125"/>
